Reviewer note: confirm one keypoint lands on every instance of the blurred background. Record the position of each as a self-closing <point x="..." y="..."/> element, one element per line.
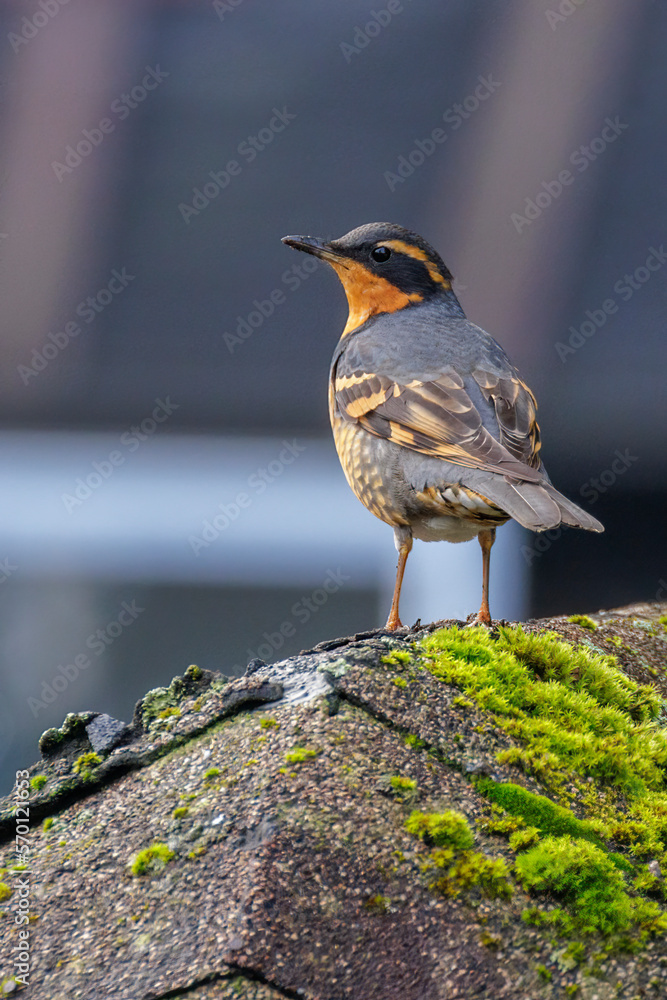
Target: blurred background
<point x="171" y="494"/>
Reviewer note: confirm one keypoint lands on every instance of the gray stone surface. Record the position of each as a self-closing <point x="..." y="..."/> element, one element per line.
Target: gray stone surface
<point x="286" y="868"/>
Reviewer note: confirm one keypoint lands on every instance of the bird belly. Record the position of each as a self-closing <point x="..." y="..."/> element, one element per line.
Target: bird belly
<point x="452" y="513"/>
<point x="376" y="471"/>
<point x="445" y="529"/>
<point x="366" y="462"/>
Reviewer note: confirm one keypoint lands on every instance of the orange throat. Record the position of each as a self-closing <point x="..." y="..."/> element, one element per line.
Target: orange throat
<point x="368" y="294"/>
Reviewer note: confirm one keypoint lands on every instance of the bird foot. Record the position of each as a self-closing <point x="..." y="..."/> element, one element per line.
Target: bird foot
<point x="480" y="618"/>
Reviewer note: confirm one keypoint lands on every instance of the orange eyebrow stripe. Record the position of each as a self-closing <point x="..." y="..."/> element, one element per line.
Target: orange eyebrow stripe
<point x="418" y="254"/>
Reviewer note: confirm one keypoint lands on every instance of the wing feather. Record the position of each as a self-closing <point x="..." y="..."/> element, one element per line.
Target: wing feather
<point x="438" y="418"/>
<point x="516" y="412"/>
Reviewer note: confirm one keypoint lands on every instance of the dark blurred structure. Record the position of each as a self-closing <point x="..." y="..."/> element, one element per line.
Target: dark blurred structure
<point x="162" y="352"/>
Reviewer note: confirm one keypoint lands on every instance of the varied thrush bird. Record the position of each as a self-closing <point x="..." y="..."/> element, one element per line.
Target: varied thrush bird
<point x="436" y="432"/>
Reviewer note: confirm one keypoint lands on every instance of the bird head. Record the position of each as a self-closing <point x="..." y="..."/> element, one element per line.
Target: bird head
<point x="382" y="268"/>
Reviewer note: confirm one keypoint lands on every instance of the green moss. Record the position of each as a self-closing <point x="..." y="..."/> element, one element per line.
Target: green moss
<point x="538" y="763"/>
<point x="442" y="829"/>
<point x="570" y="703"/>
<point x="492" y="941"/>
<point x="521" y="840"/>
<point x="572" y="956"/>
<point x="166" y="713"/>
<point x="74" y="727"/>
<point x="212" y="773"/>
<point x="648" y="915"/>
<point x="50" y="741"/>
<point x="636" y="835"/>
<point x="194" y="673"/>
<point x="38" y="782"/>
<point x="377" y="904"/>
<point x="156" y="702"/>
<point x="585" y="878"/>
<point x="85" y="764"/>
<point x="533" y="915"/>
<point x="5" y="892"/>
<point x="151" y="860"/>
<point x="645" y="882"/>
<point x="299" y="754"/>
<point x="47" y="824"/>
<point x="396" y="657"/>
<point x="501" y="826"/>
<point x="400" y="682"/>
<point x="268" y="723"/>
<point x="588" y="733"/>
<point x="621" y="862"/>
<point x="401" y="784"/>
<point x="544" y="973"/>
<point x="180" y="812"/>
<point x="413" y="742"/>
<point x="575" y="715"/>
<point x="467" y="870"/>
<point x="403" y="789"/>
<point x="537" y="810"/>
<point x="583" y="621"/>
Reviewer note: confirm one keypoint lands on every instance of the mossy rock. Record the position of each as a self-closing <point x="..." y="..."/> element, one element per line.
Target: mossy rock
<point x="495" y="826"/>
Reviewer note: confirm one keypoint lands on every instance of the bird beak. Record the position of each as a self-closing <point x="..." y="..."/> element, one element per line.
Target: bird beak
<point x="316" y="247"/>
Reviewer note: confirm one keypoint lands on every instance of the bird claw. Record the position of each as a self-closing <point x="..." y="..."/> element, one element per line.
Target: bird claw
<point x="479" y="619"/>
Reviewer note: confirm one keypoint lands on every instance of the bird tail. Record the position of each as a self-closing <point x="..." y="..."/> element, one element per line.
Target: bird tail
<point x="572" y="514"/>
<point x="537" y="506"/>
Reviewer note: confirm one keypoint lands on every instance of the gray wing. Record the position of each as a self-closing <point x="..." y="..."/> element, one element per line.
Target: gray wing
<point x="476" y="413"/>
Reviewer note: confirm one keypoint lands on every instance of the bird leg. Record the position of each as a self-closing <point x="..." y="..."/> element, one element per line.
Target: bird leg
<point x="403" y="542"/>
<point x="486" y="539"/>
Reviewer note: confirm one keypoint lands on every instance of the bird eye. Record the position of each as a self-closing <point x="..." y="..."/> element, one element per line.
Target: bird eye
<point x="380" y="254"/>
